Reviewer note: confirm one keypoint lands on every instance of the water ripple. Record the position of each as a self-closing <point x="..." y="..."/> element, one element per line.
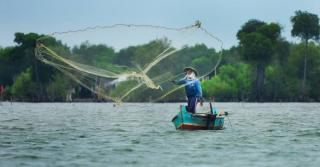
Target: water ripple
<point x="97" y="134"/>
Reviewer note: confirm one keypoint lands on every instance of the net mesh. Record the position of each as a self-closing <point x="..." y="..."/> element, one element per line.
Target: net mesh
<point x="123" y="62"/>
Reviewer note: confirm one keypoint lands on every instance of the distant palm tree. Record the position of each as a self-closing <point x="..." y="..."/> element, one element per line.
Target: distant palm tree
<point x="306" y="26"/>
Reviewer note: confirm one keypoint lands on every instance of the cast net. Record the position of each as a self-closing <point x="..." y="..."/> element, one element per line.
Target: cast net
<point x="127" y="62"/>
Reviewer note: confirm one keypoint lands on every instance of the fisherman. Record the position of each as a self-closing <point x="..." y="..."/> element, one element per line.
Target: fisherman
<point x="192" y="88"/>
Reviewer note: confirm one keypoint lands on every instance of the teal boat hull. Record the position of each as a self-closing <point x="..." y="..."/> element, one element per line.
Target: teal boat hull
<point x="185" y="120"/>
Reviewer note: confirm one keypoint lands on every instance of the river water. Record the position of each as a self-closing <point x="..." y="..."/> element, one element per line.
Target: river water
<point x="98" y="134"/>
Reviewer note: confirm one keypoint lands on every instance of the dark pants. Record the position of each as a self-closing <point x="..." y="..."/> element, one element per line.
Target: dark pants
<point x="192" y="103"/>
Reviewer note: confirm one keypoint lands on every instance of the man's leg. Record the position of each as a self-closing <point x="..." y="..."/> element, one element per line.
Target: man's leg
<point x="189" y="104"/>
<point x="193" y="104"/>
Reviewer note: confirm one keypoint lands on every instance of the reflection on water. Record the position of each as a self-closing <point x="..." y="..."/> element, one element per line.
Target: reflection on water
<point x="98" y="134"/>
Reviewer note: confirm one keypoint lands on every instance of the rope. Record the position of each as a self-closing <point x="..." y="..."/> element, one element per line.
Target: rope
<point x="123" y="25"/>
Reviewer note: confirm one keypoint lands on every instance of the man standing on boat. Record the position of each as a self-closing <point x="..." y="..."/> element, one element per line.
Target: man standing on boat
<point x="192" y="88"/>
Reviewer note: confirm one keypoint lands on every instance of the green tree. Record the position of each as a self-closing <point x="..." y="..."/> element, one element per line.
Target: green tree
<point x="96" y="55"/>
<point x="294" y="65"/>
<point x="59" y="88"/>
<point x="305" y="26"/>
<point x="23" y="57"/>
<point x="257" y="42"/>
<point x="218" y="88"/>
<point x="232" y="83"/>
<point x="276" y="82"/>
<point x="141" y="55"/>
<point x="6" y="66"/>
<point x="24" y="87"/>
<point x="231" y="56"/>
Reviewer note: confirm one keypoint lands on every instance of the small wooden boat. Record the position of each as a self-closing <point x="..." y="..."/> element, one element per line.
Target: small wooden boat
<point x="185" y="120"/>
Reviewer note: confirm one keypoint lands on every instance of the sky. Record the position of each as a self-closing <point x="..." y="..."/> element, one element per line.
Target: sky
<point x="223" y="18"/>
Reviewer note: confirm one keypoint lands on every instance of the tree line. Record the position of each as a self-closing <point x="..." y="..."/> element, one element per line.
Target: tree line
<point x="264" y="66"/>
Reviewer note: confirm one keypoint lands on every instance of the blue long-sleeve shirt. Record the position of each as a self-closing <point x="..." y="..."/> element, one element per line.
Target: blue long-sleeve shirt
<point x="192" y="87"/>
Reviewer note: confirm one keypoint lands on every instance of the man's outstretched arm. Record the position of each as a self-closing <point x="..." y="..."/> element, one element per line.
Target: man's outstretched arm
<point x="180" y="82"/>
